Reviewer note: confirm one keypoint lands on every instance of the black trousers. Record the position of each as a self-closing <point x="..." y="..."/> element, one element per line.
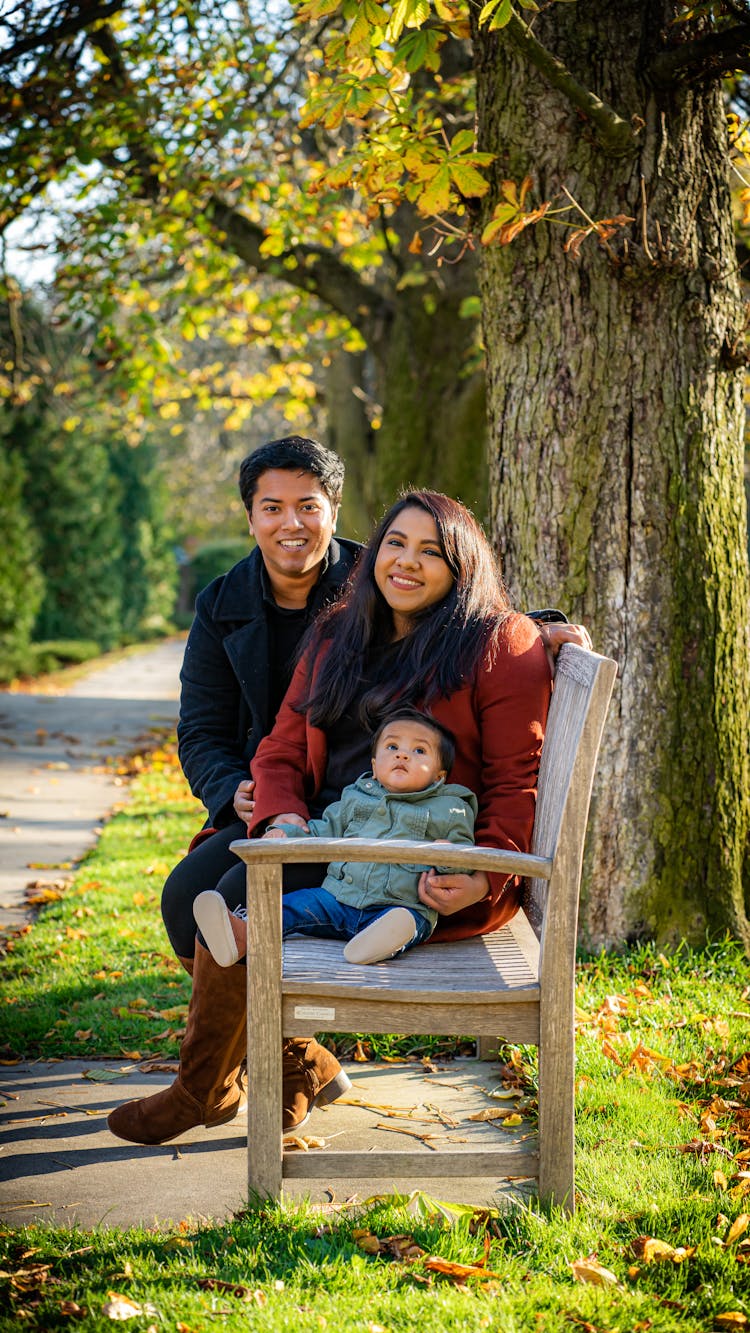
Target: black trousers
<point x="212" y="866"/>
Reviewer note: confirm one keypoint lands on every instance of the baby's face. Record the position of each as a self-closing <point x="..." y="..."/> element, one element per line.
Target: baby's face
<point x="407" y="757"/>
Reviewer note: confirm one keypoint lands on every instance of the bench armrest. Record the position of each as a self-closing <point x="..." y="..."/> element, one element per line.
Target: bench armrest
<point x="274" y="851"/>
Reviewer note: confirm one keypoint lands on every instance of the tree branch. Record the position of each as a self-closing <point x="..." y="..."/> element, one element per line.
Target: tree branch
<point x="710" y="56"/>
<point x="68" y="26"/>
<point x="319" y="272"/>
<point x="614" y="133"/>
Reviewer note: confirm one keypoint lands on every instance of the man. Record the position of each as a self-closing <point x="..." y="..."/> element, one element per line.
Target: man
<point x="239" y="659"/>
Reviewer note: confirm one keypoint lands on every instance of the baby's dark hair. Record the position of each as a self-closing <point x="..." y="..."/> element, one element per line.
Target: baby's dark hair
<point x="446" y="743"/>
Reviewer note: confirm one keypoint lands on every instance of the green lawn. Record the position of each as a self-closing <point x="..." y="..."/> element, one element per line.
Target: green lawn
<point x="663" y="1144"/>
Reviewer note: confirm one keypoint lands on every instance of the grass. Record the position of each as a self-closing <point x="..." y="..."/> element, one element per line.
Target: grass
<point x="663" y="1146"/>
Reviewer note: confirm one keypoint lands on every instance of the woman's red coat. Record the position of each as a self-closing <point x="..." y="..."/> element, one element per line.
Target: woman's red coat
<point x="498" y="721"/>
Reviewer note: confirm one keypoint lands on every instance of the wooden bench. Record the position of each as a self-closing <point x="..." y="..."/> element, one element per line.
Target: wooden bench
<point x="516" y="984"/>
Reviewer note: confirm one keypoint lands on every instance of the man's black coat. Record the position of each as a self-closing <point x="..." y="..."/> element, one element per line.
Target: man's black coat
<point x="224" y="705"/>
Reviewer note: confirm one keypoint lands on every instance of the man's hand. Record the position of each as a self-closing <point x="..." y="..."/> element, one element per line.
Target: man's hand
<point x="554" y="636"/>
<point x="274" y="833"/>
<point x="447" y="894"/>
<point x="243" y="801"/>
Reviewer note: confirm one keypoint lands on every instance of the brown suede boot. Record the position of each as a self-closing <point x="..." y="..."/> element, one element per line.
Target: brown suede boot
<point x="241" y="1079"/>
<point x="312" y="1077"/>
<point x="207" y="1089"/>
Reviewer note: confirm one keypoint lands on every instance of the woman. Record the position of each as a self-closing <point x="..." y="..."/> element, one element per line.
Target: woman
<point x="425" y="621"/>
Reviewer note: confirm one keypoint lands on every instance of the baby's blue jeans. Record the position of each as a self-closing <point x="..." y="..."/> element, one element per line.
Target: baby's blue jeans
<point x="317" y="912"/>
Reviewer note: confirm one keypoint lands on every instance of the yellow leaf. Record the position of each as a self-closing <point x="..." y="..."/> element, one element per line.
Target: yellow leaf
<point x="119" y="1307"/>
<point x="731" y="1319"/>
<point x="369" y="1243"/>
<point x="589" y="1270"/>
<point x="494" y="1113"/>
<point x="738" y="1227"/>
<point x="511" y="1121"/>
<point x="652" y="1250"/>
<point x="174" y="1014"/>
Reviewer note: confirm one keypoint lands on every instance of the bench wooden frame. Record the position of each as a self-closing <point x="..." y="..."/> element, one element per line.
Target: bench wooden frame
<point x="516" y="984"/>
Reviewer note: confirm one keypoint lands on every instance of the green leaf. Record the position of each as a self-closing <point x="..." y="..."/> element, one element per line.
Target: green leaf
<point x="462" y="141"/>
<point x="470" y="308"/>
<point x="502" y="16"/>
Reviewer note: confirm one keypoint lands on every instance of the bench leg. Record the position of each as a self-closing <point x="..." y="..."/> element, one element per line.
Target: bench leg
<point x="557" y="1121"/>
<point x="264" y="1100"/>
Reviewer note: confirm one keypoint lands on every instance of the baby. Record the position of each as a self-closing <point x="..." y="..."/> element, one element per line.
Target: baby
<point x="375" y="907"/>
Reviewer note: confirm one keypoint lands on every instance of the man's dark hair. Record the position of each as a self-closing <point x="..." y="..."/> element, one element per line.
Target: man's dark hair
<point x="446" y="743"/>
<point x="295" y="453"/>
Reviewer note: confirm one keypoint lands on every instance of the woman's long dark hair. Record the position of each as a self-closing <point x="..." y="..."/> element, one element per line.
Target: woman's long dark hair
<point x="447" y="640"/>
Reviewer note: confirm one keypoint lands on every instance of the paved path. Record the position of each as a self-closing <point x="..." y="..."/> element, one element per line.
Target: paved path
<point x="60" y="1164"/>
<point x="54" y="788"/>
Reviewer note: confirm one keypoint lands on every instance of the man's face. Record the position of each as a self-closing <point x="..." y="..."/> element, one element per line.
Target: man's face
<point x="407" y="757"/>
<point x="292" y="520"/>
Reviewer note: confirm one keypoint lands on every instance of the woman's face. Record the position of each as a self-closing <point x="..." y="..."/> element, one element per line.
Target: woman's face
<point x="410" y="569"/>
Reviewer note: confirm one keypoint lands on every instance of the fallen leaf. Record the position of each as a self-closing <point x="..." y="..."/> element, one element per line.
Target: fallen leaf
<point x="366" y="1241"/>
<point x="105" y="1075"/>
<point x="119" y="1307"/>
<point x="71" y="1310"/>
<point x="608" y="1049"/>
<point x="590" y="1270"/>
<point x="651" y="1250"/>
<point x="731" y="1319"/>
<point x="738" y="1228"/>
<point x="494" y="1113"/>
<point x="458" y="1272"/>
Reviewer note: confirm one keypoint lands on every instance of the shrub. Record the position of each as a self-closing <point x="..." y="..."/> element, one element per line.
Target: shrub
<point x="51" y="654"/>
<point x="215" y="558"/>
<point x="21" y="581"/>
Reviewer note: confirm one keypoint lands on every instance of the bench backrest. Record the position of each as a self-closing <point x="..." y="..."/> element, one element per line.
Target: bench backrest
<point x="578" y="709"/>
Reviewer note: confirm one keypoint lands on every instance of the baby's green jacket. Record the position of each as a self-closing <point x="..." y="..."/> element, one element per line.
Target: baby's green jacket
<point x="367" y="810"/>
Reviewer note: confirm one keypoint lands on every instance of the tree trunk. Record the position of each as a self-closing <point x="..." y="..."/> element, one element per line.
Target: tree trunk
<point x="411" y="408"/>
<point x="616" y="419"/>
<point x="434" y="428"/>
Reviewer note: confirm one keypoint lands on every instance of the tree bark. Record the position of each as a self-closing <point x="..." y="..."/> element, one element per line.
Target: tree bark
<point x="616" y="418"/>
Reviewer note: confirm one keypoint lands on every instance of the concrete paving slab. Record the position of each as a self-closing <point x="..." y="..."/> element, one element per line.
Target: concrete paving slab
<point x="60" y="1164"/>
<point x="54" y="787"/>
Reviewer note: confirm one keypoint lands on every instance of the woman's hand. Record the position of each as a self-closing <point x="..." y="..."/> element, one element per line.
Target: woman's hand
<point x="554" y="636"/>
<point x="447" y="894"/>
<point x="243" y="801"/>
<point x="288" y="819"/>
